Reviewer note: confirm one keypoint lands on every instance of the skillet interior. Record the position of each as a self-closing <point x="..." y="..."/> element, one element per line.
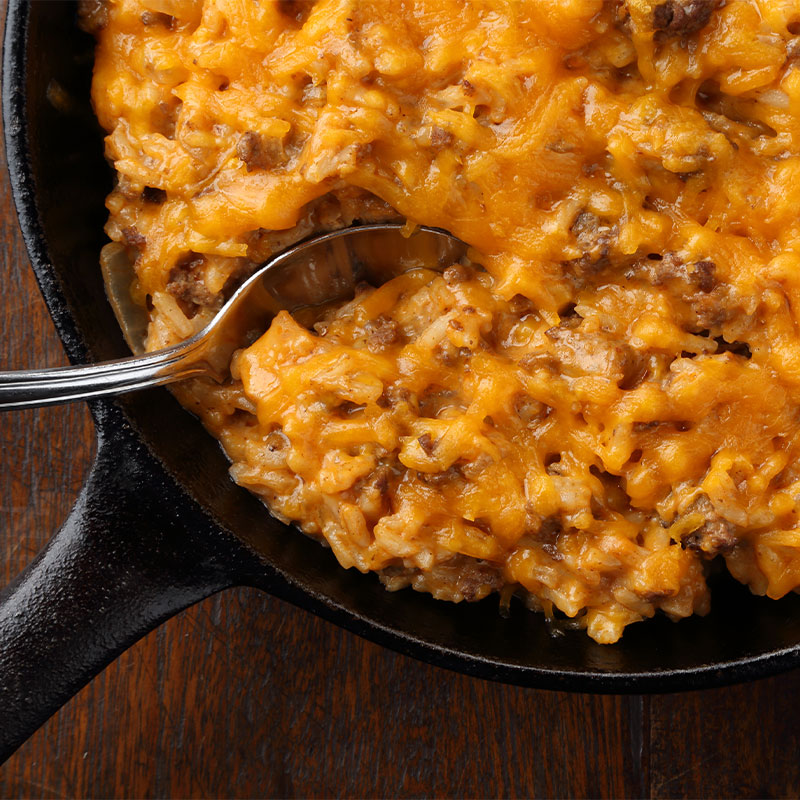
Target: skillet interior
<point x="60" y="182"/>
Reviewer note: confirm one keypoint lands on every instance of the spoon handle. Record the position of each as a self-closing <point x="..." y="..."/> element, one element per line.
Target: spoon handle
<point x="46" y="387"/>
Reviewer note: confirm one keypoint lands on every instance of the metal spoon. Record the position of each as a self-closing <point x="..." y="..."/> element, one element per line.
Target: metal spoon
<point x="322" y="269"/>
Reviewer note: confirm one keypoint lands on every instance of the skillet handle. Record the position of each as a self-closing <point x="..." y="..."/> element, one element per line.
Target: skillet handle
<point x="122" y="563"/>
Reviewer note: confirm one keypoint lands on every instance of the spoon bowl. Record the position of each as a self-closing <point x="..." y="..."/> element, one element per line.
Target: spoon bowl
<point x="323" y="269"/>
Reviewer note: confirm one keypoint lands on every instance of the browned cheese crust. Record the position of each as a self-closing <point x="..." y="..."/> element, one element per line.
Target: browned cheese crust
<point x="613" y="402"/>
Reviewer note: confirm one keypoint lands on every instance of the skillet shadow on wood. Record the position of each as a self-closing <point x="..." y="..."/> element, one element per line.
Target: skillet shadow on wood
<point x="743" y="637"/>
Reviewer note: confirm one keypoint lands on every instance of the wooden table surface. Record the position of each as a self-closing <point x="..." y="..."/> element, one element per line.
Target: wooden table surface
<point x="245" y="696"/>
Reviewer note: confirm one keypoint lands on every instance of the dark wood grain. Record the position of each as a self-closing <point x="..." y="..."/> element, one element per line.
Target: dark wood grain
<point x="244" y="696"/>
<point x="738" y="742"/>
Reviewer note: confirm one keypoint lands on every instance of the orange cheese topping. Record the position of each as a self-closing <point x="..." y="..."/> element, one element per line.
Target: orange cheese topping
<point x="613" y="402"/>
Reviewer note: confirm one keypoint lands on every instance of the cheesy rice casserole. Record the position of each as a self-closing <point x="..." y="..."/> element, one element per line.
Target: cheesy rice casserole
<point x="612" y="402"/>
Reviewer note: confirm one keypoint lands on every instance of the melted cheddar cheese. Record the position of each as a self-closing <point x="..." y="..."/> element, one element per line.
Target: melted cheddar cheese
<point x="612" y="402"/>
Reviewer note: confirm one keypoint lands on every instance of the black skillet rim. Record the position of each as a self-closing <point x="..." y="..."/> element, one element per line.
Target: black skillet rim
<point x="710" y="675"/>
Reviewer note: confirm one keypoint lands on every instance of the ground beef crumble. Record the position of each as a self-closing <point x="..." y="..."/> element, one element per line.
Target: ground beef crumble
<point x="186" y="284"/>
<point x="681" y="17"/>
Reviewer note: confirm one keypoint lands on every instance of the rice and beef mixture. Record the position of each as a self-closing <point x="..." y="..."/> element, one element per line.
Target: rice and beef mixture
<point x="612" y="402"/>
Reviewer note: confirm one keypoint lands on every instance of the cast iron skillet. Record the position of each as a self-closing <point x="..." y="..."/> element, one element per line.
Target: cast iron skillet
<point x="159" y="525"/>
